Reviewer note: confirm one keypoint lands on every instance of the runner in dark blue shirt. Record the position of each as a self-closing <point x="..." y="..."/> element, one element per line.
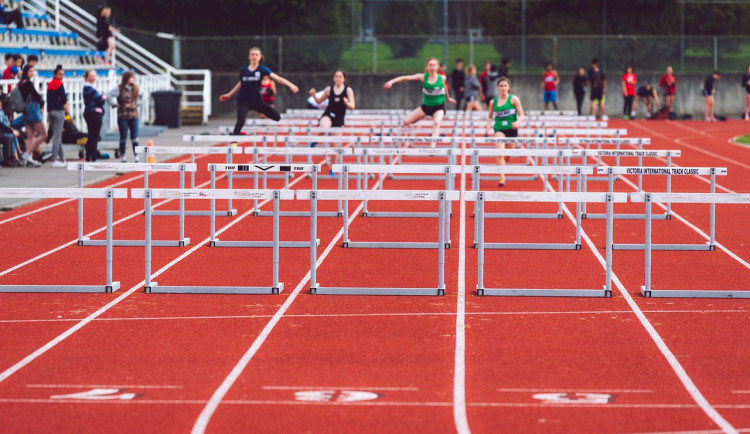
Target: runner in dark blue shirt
<point x="248" y="87"/>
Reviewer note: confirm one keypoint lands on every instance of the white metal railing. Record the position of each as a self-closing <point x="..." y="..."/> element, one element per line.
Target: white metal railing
<point x="147" y="84"/>
<point x="195" y="84"/>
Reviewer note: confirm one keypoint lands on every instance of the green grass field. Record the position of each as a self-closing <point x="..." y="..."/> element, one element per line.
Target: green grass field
<point x="745" y="140"/>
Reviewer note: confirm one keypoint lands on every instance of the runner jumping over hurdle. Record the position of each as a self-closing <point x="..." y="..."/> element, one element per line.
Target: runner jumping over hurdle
<point x="340" y="97"/>
<point x="507" y="112"/>
<point x="248" y="88"/>
<point x="434" y="93"/>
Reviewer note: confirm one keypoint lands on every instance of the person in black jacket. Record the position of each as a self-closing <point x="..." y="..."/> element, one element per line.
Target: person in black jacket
<point x="93" y="111"/>
<point x="32" y="115"/>
<point x="579" y="88"/>
<point x="11" y="16"/>
<point x="8" y="134"/>
<point x="105" y="32"/>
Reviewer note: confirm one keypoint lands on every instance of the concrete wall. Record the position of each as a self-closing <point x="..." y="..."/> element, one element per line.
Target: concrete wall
<point x="370" y="94"/>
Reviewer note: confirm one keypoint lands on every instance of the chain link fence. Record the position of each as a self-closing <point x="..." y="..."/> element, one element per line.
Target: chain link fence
<point x="287" y="54"/>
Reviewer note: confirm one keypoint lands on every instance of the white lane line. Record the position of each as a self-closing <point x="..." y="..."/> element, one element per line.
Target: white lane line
<point x="459" y="365"/>
<point x="375" y="388"/>
<point x="107" y="386"/>
<point x="741" y="391"/>
<point x="51" y="344"/>
<point x="698" y="149"/>
<point x="213" y="403"/>
<point x="683" y="376"/>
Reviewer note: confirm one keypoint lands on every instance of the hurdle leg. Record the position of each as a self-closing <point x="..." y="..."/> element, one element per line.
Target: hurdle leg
<point x="109" y="287"/>
<point x="479" y="225"/>
<point x="712" y="205"/>
<point x="441" y="244"/>
<point x="669" y="185"/>
<point x="345" y="210"/>
<point x="212" y="213"/>
<point x="80" y="206"/>
<point x="277" y="287"/>
<point x="229" y="181"/>
<point x="147" y="261"/>
<point x="608" y="248"/>
<point x="313" y="238"/>
<point x="182" y="205"/>
<point x="646" y="288"/>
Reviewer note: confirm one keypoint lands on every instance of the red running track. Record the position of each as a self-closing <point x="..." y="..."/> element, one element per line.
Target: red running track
<point x="135" y="362"/>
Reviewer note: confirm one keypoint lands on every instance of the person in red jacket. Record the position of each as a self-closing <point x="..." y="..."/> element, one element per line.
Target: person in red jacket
<point x="668" y="86"/>
<point x="629" y="79"/>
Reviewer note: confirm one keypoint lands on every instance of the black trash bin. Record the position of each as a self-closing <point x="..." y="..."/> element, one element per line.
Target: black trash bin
<point x="167" y="108"/>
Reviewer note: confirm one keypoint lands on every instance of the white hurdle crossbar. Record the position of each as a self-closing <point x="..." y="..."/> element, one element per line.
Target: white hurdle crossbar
<point x="82" y="167"/>
<point x="482" y="197"/>
<point x="442" y="197"/>
<point x="676" y="171"/>
<point x="71" y="193"/>
<point x="212" y="195"/>
<point x="711" y="198"/>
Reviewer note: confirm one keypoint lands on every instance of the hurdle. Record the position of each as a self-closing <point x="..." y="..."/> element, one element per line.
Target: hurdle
<point x="71" y="193"/>
<point x="193" y="151"/>
<point x="577" y="197"/>
<point x="346" y="195"/>
<point x="619" y="153"/>
<point x="539" y="143"/>
<point x="710" y="198"/>
<point x="82" y="167"/>
<point x="613" y="173"/>
<point x="345" y="169"/>
<point x="281" y="168"/>
<point x="275" y="195"/>
<point x="617" y="142"/>
<point x="678" y="171"/>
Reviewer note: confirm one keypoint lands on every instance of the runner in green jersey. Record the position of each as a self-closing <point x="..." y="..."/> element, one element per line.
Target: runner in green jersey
<point x="506" y="114"/>
<point x="434" y="93"/>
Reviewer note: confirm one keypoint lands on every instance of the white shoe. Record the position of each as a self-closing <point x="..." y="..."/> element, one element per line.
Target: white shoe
<point x="29" y="160"/>
<point x="137" y="159"/>
<point x="123" y="160"/>
<point x="58" y="163"/>
<point x="605" y="118"/>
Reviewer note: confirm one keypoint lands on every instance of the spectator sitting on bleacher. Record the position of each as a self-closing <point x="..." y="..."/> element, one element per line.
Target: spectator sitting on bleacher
<point x="105" y="32"/>
<point x="11" y="16"/>
<point x="8" y="135"/>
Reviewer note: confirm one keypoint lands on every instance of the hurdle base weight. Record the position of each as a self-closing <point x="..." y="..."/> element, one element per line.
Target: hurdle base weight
<point x="148" y="288"/>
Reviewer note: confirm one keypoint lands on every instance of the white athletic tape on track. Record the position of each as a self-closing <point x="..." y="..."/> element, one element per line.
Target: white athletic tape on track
<point x="132" y="167"/>
<point x="62" y="193"/>
<point x="460" y="418"/>
<point x="679" y="171"/>
<point x="736" y="198"/>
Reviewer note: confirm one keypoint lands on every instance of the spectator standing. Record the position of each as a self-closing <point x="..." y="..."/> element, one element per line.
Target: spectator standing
<point x="746" y="85"/>
<point x="472" y="88"/>
<point x="57" y="102"/>
<point x="597" y="82"/>
<point x="709" y="91"/>
<point x="32" y="115"/>
<point x="629" y="79"/>
<point x="458" y="81"/>
<point x="668" y="86"/>
<point x="482" y="76"/>
<point x="490" y="83"/>
<point x="93" y="111"/>
<point x="579" y="88"/>
<point x="504" y="69"/>
<point x="550" y="80"/>
<point x="127" y="98"/>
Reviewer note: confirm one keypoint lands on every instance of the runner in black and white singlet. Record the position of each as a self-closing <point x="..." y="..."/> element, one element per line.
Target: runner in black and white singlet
<point x="434" y="94"/>
<point x="248" y="87"/>
<point x="340" y="98"/>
